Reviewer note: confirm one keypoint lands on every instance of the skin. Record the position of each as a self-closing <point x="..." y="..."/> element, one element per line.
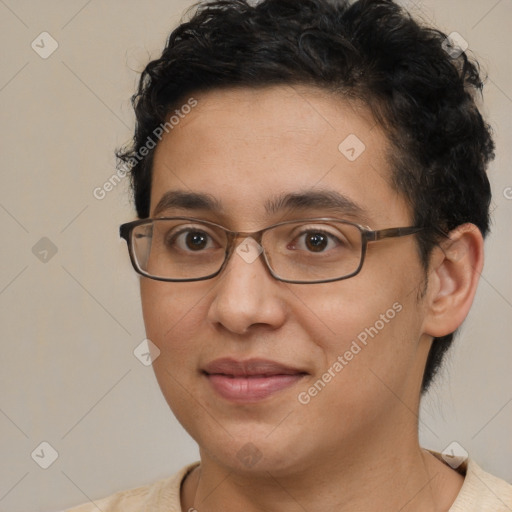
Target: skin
<point x="354" y="446"/>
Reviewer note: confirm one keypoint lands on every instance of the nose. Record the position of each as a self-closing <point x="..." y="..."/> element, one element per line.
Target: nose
<point x="246" y="293"/>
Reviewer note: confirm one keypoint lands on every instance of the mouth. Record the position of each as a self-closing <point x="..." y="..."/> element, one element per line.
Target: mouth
<point x="251" y="380"/>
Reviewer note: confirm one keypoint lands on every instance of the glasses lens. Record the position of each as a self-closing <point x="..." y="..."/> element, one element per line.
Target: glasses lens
<point x="313" y="251"/>
<point x="178" y="249"/>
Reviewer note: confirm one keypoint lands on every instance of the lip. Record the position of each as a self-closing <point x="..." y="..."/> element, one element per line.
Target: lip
<point x="250" y="380"/>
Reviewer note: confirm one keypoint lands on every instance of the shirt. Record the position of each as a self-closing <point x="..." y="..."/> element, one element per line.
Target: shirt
<point x="480" y="492"/>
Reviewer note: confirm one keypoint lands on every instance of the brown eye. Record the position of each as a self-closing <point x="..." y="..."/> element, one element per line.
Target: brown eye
<point x="196" y="240"/>
<point x="189" y="240"/>
<point x="316" y="242"/>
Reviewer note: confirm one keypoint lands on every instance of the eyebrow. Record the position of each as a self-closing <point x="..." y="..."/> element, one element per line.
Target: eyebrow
<point x="328" y="200"/>
<point x="187" y="201"/>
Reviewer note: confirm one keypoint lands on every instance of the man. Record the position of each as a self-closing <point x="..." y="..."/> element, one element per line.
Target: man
<point x="310" y="236"/>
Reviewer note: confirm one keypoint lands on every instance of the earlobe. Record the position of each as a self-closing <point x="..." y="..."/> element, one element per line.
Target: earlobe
<point x="453" y="278"/>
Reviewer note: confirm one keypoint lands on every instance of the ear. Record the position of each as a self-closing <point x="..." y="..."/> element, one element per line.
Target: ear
<point x="455" y="268"/>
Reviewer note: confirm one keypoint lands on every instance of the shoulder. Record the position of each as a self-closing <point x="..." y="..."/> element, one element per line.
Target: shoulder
<point x="162" y="495"/>
<point x="482" y="492"/>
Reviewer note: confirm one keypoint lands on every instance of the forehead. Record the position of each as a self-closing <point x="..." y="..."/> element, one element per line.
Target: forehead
<point x="250" y="149"/>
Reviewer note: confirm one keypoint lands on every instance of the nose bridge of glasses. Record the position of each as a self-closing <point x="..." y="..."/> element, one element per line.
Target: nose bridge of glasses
<point x="236" y="238"/>
<point x="247" y="250"/>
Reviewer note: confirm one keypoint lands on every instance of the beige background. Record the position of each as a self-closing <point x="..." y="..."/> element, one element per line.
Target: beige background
<point x="68" y="375"/>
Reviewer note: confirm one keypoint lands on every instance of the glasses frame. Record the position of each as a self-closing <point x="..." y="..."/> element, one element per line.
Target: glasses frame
<point x="367" y="236"/>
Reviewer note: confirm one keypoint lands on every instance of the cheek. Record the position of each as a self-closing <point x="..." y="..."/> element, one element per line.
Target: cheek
<point x="353" y="309"/>
<point x="364" y="332"/>
<point x="172" y="314"/>
<point x="366" y="363"/>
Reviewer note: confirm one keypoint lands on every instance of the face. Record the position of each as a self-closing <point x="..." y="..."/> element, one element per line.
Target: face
<point x="334" y="366"/>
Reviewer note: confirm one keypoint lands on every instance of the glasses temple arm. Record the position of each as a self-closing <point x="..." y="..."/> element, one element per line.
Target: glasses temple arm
<point x="380" y="234"/>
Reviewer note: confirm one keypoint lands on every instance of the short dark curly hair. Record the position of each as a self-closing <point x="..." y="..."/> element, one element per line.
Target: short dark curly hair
<point x="422" y="94"/>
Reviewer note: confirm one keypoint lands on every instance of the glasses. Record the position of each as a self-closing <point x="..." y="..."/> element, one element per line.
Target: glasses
<point x="305" y="251"/>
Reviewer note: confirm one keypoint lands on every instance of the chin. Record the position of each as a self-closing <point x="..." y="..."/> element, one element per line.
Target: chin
<point x="254" y="449"/>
